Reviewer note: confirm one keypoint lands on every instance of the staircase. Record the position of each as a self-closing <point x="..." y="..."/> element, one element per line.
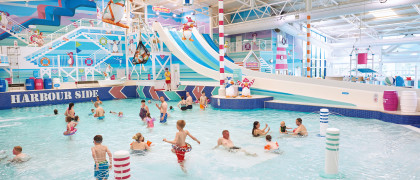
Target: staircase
<point x="16" y="30"/>
<point x="53" y="45"/>
<point x="50" y="16"/>
<point x="264" y="65"/>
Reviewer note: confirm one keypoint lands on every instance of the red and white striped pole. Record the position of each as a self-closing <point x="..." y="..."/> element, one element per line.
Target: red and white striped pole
<point x="308" y="38"/>
<point x="122" y="164"/>
<point x="222" y="91"/>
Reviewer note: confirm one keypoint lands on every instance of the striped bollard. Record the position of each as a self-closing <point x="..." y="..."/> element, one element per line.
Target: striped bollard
<point x="222" y="90"/>
<point x="122" y="165"/>
<point x="323" y="121"/>
<point x="331" y="151"/>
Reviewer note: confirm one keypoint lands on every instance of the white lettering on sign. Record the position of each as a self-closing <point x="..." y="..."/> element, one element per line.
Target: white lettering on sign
<point x="51" y="96"/>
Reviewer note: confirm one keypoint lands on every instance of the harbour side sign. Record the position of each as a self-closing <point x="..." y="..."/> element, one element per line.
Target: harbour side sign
<point x="33" y="97"/>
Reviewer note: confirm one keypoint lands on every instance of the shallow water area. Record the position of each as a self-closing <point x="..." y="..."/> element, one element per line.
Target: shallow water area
<point x="369" y="149"/>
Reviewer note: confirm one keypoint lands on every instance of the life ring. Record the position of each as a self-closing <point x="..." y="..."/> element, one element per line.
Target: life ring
<point x="247" y="46"/>
<point x="86" y="62"/>
<point x="42" y="61"/>
<point x="262" y="45"/>
<point x="103" y="41"/>
<point x="65" y="133"/>
<point x="283" y="41"/>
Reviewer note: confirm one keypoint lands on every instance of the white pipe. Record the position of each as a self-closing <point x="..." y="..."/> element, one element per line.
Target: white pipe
<point x="379" y="42"/>
<point x="416" y="78"/>
<point x="331" y="151"/>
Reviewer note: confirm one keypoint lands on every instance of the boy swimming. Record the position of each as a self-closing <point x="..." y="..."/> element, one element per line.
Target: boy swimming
<point x="203" y="100"/>
<point x="283" y="128"/>
<point x="179" y="146"/>
<point x="55" y="112"/>
<point x="270" y="145"/>
<point x="19" y="156"/>
<point x="99" y="151"/>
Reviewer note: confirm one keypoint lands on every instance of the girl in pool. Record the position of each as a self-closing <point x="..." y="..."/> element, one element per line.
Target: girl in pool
<point x="138" y="146"/>
<point x="70" y="111"/>
<point x="270" y="145"/>
<point x="70" y="126"/>
<point x="182" y="104"/>
<point x="144" y="109"/>
<point x="120" y="114"/>
<point x="149" y="121"/>
<point x="258" y="132"/>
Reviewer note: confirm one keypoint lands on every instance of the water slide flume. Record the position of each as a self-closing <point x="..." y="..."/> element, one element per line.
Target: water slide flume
<point x="361" y="95"/>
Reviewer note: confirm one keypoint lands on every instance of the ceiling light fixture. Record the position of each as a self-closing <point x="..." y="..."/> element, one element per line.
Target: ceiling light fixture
<point x="383" y="1"/>
<point x="383" y="13"/>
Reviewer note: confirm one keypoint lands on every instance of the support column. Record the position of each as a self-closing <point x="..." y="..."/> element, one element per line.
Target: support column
<point x="222" y="91"/>
<point x="308" y="38"/>
<point x="211" y="23"/>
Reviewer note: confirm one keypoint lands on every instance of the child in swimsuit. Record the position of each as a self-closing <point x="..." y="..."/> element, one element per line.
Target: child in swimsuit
<point x="70" y="126"/>
<point x="270" y="145"/>
<point x="179" y="146"/>
<point x="143" y="109"/>
<point x="19" y="156"/>
<point x="92" y="111"/>
<point x="203" y="101"/>
<point x="182" y="104"/>
<point x="99" y="152"/>
<point x="283" y="128"/>
<point x="120" y="114"/>
<point x="149" y="121"/>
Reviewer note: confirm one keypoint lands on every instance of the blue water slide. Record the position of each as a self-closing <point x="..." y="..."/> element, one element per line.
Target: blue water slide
<point x="53" y="13"/>
<point x="207" y="54"/>
<point x="214" y="46"/>
<point x="178" y="40"/>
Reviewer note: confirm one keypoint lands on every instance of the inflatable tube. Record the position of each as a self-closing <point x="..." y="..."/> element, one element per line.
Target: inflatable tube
<point x="65" y="133"/>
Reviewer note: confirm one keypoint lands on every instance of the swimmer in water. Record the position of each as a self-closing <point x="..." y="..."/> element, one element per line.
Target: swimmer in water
<point x="163" y="110"/>
<point x="120" y="114"/>
<point x="259" y="132"/>
<point x="171" y="108"/>
<point x="283" y="128"/>
<point x="55" y="112"/>
<point x="149" y="101"/>
<point x="203" y="100"/>
<point x="70" y="125"/>
<point x="228" y="144"/>
<point x="99" y="112"/>
<point x="19" y="156"/>
<point x="70" y="111"/>
<point x="270" y="145"/>
<point x="99" y="152"/>
<point x="182" y="104"/>
<point x="92" y="112"/>
<point x="144" y="109"/>
<point x="139" y="144"/>
<point x="76" y="121"/>
<point x="179" y="146"/>
<point x="301" y="129"/>
<point x="97" y="100"/>
<point x="149" y="121"/>
<point x="189" y="101"/>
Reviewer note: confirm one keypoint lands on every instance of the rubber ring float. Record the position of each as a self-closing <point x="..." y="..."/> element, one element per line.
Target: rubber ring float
<point x="42" y="61"/>
<point x="103" y="41"/>
<point x="86" y="61"/>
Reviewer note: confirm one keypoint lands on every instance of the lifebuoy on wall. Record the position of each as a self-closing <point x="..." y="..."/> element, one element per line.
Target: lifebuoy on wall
<point x="90" y="63"/>
<point x="103" y="41"/>
<point x="42" y="61"/>
<point x="247" y="46"/>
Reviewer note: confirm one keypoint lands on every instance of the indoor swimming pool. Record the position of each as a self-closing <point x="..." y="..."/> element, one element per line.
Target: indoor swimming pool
<point x="369" y="149"/>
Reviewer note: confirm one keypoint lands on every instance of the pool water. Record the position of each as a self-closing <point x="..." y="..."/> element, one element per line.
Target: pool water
<point x="369" y="149"/>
